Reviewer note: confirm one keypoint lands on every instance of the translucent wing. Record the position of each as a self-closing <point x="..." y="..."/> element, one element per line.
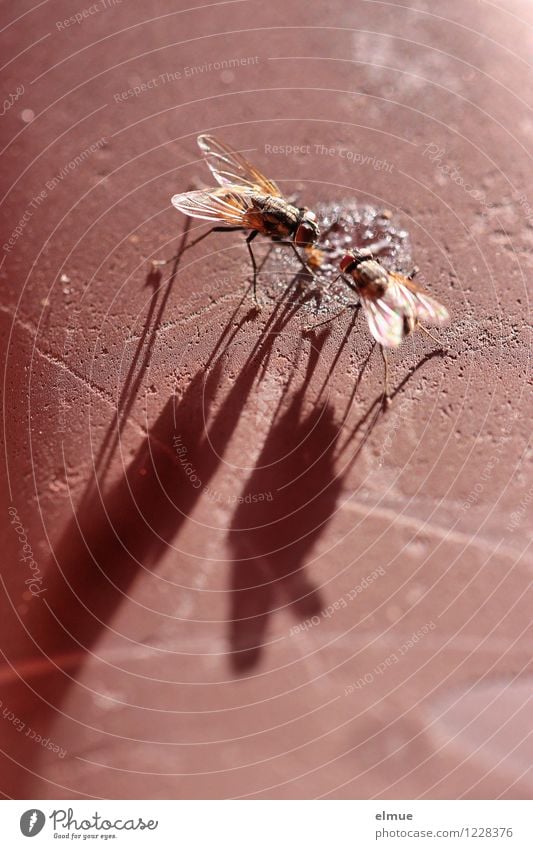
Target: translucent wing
<point x="229" y="167"/>
<point x="429" y="311"/>
<point x="385" y="323"/>
<point x="425" y="308"/>
<point x="230" y="205"/>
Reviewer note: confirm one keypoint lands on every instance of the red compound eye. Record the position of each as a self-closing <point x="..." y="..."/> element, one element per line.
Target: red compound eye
<point x="306" y="234"/>
<point x="346" y="261"/>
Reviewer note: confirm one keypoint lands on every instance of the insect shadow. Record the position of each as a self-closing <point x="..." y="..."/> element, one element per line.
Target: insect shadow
<point x="270" y="538"/>
<point x="118" y="531"/>
<point x="121" y="530"/>
<point x="141" y="358"/>
<point x="285" y="506"/>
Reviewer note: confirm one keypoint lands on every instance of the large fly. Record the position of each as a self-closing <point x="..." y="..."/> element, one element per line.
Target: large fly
<point x="246" y="200"/>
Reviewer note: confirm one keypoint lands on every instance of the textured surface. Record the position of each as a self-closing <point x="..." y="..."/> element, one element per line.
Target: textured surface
<point x="247" y="581"/>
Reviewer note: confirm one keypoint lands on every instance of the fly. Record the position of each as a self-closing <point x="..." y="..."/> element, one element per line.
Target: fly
<point x="394" y="306"/>
<point x="246" y="200"/>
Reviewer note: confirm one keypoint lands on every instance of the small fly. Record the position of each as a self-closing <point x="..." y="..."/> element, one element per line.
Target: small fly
<point x="246" y="200"/>
<point x="394" y="306"/>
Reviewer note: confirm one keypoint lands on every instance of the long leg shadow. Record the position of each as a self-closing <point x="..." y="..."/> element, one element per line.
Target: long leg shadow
<point x="286" y="503"/>
<point x="284" y="507"/>
<point x="113" y="536"/>
<point x="140" y="360"/>
<point x="377" y="405"/>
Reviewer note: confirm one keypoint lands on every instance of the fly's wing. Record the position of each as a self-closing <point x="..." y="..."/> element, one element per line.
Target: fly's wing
<point x="385" y="323"/>
<point x="229" y="167"/>
<point x="393" y="316"/>
<point x="230" y="205"/>
<point x="425" y="308"/>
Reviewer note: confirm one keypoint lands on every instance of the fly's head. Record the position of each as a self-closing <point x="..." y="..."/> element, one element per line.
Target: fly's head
<point x="352" y="260"/>
<point x="369" y="276"/>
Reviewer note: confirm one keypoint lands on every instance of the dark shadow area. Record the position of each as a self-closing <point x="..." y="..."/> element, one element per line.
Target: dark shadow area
<point x="119" y="531"/>
<point x="286" y="503"/>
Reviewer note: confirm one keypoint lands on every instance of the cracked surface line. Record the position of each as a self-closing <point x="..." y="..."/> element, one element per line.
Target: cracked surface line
<point x="423" y="526"/>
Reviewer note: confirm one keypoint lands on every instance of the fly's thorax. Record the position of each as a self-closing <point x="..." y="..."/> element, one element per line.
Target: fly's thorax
<point x="279" y="217"/>
<point x="370" y="278"/>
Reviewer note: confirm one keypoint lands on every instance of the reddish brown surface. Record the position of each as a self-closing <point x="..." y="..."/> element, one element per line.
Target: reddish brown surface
<point x="163" y="655"/>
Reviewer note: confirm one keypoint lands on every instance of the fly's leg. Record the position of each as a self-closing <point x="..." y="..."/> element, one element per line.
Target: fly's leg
<point x="159" y="263"/>
<point x="412" y="274"/>
<point x="423" y="329"/>
<point x="249" y="240"/>
<point x="386" y="397"/>
<point x="302" y="261"/>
